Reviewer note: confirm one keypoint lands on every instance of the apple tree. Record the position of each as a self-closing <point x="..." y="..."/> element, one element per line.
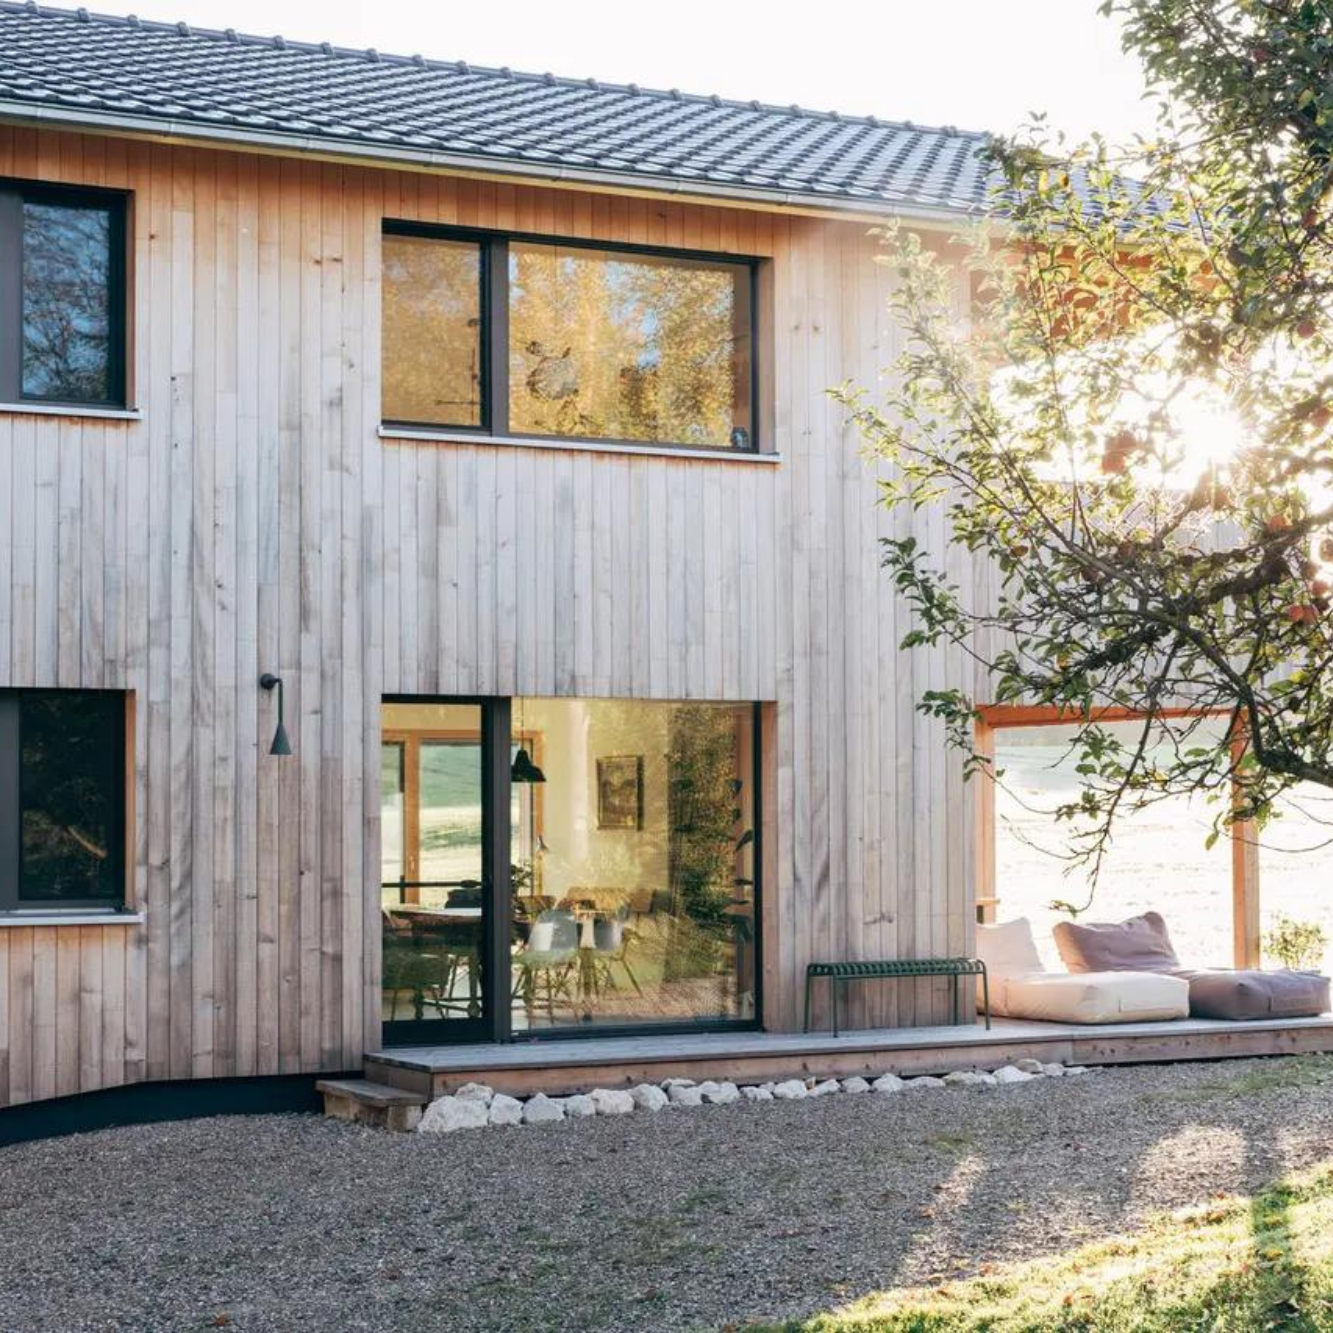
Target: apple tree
<point x="1131" y="429"/>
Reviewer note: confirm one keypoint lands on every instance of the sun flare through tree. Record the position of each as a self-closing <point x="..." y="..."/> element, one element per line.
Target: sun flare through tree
<point x="1130" y="430"/>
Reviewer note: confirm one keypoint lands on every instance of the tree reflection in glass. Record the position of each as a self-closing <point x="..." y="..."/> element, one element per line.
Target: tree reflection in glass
<point x="66" y="294"/>
<point x="628" y="347"/>
<point x="432" y="331"/>
<point x="71" y="751"/>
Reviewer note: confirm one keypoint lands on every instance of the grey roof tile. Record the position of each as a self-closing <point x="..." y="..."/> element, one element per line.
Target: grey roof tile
<point x="257" y="86"/>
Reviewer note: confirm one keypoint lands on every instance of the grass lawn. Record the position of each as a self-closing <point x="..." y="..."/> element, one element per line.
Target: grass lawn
<point x="1236" y="1265"/>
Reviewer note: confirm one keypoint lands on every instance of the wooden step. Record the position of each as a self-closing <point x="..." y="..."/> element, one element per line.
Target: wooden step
<point x="366" y="1103"/>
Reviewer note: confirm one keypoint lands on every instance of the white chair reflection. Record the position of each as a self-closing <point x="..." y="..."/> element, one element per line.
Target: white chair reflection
<point x="611" y="942"/>
<point x="547" y="965"/>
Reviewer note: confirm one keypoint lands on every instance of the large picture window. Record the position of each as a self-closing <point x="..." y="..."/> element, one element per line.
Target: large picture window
<point x="551" y="866"/>
<point x="62" y="799"/>
<point x="637" y="904"/>
<point x="62" y="295"/>
<point x="563" y="340"/>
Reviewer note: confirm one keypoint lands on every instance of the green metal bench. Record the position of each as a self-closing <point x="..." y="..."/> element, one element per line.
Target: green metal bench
<point x="839" y="974"/>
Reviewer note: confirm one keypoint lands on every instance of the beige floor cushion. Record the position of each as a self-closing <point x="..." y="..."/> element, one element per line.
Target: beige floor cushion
<point x="1091" y="997"/>
<point x="1020" y="987"/>
<point x="1007" y="948"/>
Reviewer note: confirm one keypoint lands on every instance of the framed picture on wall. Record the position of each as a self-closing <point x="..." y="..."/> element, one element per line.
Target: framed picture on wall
<point x="620" y="792"/>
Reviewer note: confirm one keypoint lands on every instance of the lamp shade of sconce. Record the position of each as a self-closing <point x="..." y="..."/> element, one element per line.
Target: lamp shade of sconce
<point x="281" y="745"/>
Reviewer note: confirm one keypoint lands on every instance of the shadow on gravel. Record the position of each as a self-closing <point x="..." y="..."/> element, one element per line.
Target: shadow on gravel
<point x="685" y="1220"/>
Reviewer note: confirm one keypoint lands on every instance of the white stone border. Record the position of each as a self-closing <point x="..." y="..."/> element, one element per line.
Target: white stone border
<point x="476" y="1106"/>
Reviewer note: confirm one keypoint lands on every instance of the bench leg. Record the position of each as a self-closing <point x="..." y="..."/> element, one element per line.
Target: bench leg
<point x="957" y="1016"/>
<point x="985" y="995"/>
<point x="833" y="985"/>
<point x="807" y="1002"/>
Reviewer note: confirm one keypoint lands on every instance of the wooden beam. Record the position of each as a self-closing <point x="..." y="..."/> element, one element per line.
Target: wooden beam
<point x="1049" y="715"/>
<point x="984" y="859"/>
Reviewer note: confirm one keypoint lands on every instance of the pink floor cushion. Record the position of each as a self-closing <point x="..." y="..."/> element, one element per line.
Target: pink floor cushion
<point x="1140" y="944"/>
<point x="1143" y="944"/>
<point x="1253" y="994"/>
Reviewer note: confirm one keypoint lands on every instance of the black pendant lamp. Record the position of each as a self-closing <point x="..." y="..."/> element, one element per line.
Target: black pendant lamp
<point x="523" y="769"/>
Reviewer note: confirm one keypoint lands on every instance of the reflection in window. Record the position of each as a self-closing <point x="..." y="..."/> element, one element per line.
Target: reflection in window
<point x="432" y="862"/>
<point x="67" y="303"/>
<point x="432" y="331"/>
<point x="1158" y="860"/>
<point x="449" y="816"/>
<point x="431" y="818"/>
<point x="393" y="831"/>
<point x="615" y="346"/>
<point x="636" y="902"/>
<point x="71" y="803"/>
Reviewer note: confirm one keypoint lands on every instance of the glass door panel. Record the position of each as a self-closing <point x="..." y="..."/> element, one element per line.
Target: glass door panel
<point x="433" y="890"/>
<point x="450" y="824"/>
<point x="634" y="865"/>
<point x="393" y="851"/>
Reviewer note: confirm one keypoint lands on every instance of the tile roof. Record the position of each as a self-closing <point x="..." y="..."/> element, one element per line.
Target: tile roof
<point x="74" y="67"/>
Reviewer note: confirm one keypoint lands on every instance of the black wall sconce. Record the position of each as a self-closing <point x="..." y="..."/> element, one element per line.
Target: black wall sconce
<point x="281" y="745"/>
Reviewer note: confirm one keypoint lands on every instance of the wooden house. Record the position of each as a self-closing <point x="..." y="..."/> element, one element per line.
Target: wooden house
<point x="439" y="602"/>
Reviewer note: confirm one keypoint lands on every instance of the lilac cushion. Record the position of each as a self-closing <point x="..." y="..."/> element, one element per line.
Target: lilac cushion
<point x="1251" y="994"/>
<point x="1140" y="944"/>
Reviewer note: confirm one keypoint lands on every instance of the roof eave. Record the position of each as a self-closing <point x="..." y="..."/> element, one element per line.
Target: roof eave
<point x="159" y="129"/>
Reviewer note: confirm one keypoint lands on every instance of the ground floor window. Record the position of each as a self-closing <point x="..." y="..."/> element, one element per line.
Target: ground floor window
<point x="62" y="799"/>
<point x="566" y="864"/>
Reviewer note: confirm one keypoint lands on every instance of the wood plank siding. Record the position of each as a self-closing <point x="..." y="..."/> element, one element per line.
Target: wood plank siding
<point x="253" y="520"/>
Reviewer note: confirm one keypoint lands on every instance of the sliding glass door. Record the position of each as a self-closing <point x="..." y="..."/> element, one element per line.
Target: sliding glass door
<point x="437" y="881"/>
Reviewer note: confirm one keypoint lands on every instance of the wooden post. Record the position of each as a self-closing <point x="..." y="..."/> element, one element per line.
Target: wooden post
<point x="984" y="860"/>
<point x="1244" y="876"/>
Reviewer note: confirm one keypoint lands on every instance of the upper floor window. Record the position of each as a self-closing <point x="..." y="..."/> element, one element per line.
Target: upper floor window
<point x="62" y="295"/>
<point x="62" y="799"/>
<point x="568" y="340"/>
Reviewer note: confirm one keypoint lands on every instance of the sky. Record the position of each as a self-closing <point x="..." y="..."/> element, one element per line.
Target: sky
<point x="976" y="64"/>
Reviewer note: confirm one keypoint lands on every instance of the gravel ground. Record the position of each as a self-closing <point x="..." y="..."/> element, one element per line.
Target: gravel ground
<point x="690" y="1219"/>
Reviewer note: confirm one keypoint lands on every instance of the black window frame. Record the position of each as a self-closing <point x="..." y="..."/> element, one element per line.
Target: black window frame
<point x="13" y="195"/>
<point x="11" y="810"/>
<point x="494" y="280"/>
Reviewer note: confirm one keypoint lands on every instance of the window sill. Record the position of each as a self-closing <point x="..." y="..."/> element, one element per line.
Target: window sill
<point x="73" y="410"/>
<point x="577" y="446"/>
<point x="18" y="919"/>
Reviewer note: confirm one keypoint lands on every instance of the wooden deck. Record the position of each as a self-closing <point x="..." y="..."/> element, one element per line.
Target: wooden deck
<point x="550" y="1066"/>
